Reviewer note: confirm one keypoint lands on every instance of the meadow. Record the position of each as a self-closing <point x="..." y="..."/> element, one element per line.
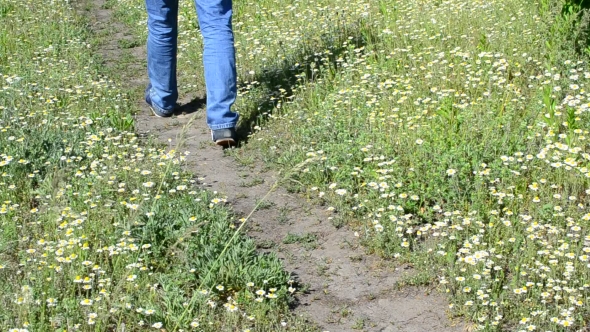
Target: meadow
<point x="450" y="135"/>
<point x="453" y="134"/>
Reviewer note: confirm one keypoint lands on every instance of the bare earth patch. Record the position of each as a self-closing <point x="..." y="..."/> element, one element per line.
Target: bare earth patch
<point x="344" y="289"/>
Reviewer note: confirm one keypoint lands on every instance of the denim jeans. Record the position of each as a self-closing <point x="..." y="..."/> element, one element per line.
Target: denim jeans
<point x="215" y="21"/>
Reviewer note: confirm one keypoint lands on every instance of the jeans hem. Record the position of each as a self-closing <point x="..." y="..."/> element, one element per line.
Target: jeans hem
<point x="161" y="110"/>
<point x="157" y="107"/>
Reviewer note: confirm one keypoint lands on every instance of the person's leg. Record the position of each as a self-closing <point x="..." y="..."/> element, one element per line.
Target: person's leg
<point x="215" y="21"/>
<point x="161" y="53"/>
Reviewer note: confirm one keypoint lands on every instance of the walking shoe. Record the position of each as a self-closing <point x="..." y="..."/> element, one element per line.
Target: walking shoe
<point x="159" y="112"/>
<point x="224" y="137"/>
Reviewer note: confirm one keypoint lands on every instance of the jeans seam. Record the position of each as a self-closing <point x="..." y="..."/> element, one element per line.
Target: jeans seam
<point x="222" y="126"/>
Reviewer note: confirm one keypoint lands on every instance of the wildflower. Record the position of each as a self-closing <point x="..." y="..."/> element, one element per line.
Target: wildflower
<point x="157" y="325"/>
<point x="451" y="172"/>
<point x="231" y="307"/>
<point x="86" y="302"/>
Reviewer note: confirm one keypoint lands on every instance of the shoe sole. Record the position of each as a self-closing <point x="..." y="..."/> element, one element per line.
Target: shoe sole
<point x="226" y="142"/>
<point x="158" y="115"/>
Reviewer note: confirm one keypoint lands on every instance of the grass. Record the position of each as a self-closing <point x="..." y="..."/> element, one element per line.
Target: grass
<point x="283" y="216"/>
<point x="99" y="230"/>
<point x="252" y="183"/>
<point x="307" y="240"/>
<point x="264" y="204"/>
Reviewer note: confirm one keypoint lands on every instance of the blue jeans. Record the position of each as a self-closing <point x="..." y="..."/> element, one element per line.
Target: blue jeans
<point x="215" y="21"/>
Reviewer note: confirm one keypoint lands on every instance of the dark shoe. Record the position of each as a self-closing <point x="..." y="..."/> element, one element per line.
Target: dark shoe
<point x="159" y="112"/>
<point x="224" y="137"/>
